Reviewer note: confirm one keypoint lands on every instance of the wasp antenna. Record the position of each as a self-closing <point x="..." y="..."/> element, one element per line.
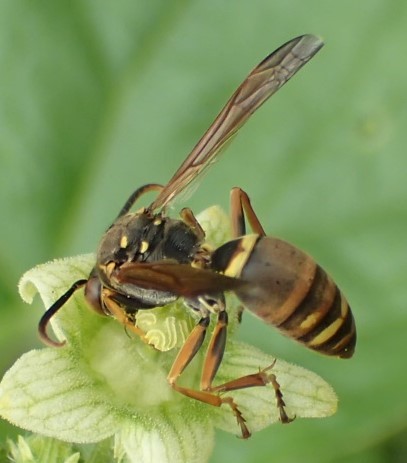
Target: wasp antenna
<point x="136" y="195"/>
<point x="42" y="325"/>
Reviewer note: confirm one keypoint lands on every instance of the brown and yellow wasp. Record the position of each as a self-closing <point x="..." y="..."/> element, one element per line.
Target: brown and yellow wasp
<point x="147" y="259"/>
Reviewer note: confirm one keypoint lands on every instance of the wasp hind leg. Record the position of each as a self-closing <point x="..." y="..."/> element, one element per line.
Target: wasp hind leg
<point x="262" y="378"/>
<point x="240" y="206"/>
<point x="211" y="364"/>
<point x="213" y="395"/>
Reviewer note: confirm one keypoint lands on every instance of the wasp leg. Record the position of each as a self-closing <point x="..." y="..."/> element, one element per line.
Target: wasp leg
<point x="211" y="394"/>
<point x="239" y="206"/>
<point x="215" y="351"/>
<point x="212" y="361"/>
<point x="284" y="418"/>
<point x="126" y="319"/>
<point x="262" y="378"/>
<point x="189" y="218"/>
<point x="188" y="351"/>
<point x="211" y="364"/>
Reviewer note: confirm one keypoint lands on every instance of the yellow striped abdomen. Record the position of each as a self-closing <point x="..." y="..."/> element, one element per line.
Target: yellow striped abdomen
<point x="288" y="289"/>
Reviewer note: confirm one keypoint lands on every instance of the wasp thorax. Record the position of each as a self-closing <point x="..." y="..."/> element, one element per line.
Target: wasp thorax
<point x="131" y="238"/>
<point x="145" y="237"/>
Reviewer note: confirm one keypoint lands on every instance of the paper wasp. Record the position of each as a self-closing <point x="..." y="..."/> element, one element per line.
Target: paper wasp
<point x="147" y="259"/>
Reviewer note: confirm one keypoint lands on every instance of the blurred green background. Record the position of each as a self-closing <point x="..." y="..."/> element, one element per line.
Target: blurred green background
<point x="97" y="98"/>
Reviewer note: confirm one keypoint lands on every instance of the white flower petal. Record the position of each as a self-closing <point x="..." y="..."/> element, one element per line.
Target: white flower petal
<point x="53" y="278"/>
<point x="41" y="449"/>
<point x="179" y="437"/>
<point x="166" y="327"/>
<point x="103" y="382"/>
<point x="45" y="392"/>
<point x="216" y="224"/>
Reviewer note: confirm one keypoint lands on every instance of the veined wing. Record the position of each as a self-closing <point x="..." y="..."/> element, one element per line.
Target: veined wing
<point x="265" y="79"/>
<point x="180" y="279"/>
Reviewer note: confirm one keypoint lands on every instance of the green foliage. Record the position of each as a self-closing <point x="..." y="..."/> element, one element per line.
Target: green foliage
<point x="97" y="98"/>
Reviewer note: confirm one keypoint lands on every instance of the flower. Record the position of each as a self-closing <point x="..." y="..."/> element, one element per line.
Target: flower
<point x="104" y="383"/>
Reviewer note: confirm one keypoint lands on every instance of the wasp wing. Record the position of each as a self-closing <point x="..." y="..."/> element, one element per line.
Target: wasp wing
<point x="265" y="79"/>
<point x="180" y="279"/>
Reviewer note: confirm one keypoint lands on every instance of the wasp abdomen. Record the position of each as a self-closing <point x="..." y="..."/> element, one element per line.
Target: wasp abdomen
<point x="290" y="291"/>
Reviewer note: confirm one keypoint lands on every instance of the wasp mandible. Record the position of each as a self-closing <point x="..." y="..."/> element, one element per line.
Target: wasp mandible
<point x="147" y="259"/>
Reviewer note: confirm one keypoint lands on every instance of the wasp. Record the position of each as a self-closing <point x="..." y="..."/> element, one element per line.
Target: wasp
<point x="147" y="259"/>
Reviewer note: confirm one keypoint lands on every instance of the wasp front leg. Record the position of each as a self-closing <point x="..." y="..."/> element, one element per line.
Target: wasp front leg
<point x="124" y="318"/>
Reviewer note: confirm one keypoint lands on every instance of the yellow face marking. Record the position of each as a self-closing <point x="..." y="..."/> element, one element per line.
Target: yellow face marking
<point x="241" y="255"/>
<point x="143" y="247"/>
<point x="157" y="221"/>
<point x="124" y="241"/>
